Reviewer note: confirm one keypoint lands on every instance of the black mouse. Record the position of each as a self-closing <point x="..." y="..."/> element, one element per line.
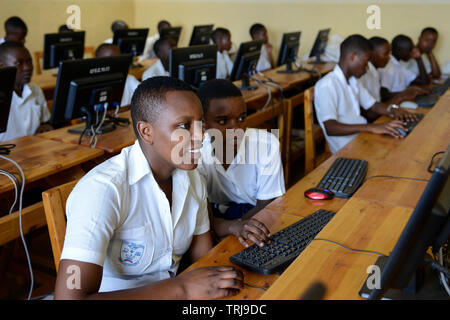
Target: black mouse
<point x="319" y="194"/>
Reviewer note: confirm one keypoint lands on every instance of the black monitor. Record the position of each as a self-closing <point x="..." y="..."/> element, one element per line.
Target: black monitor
<point x="201" y="35"/>
<point x="172" y="32"/>
<point x="245" y="63"/>
<point x="194" y="65"/>
<point x="61" y="47"/>
<point x="7" y="80"/>
<point x="290" y="42"/>
<point x="319" y="46"/>
<point x="428" y="226"/>
<point x="85" y="87"/>
<point x="131" y="41"/>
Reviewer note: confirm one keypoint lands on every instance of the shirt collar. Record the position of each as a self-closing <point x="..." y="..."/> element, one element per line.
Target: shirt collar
<point x="26" y="92"/>
<point x="138" y="166"/>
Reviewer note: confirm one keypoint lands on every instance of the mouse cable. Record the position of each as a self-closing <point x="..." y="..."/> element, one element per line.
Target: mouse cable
<point x="395" y="177"/>
<point x="16" y="187"/>
<point x="20" y="223"/>
<point x="351" y="249"/>
<point x="432" y="161"/>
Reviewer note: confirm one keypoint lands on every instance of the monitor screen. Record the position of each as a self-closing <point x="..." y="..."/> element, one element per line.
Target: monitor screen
<point x="131" y="41"/>
<point x="172" y="32"/>
<point x="245" y="62"/>
<point x="62" y="46"/>
<point x="201" y="35"/>
<point x="7" y="80"/>
<point x="290" y="44"/>
<point x="194" y="65"/>
<point x="319" y="45"/>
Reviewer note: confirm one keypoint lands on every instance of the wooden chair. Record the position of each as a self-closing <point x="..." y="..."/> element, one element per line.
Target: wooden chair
<point x="313" y="135"/>
<point x="54" y="201"/>
<point x="39" y="55"/>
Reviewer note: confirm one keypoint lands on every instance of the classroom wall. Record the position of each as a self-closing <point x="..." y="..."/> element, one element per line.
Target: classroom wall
<point x="344" y="17"/>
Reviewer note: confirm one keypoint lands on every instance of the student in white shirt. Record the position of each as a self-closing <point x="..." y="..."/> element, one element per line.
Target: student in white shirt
<point x="111" y="50"/>
<point x="427" y="41"/>
<point x="222" y="38"/>
<point x="28" y="114"/>
<point x="116" y="25"/>
<point x="15" y="30"/>
<point x="132" y="218"/>
<point x="161" y="66"/>
<point x="371" y="80"/>
<point x="242" y="166"/>
<point x="265" y="62"/>
<point x="395" y="77"/>
<point x="342" y="106"/>
<point x="149" y="51"/>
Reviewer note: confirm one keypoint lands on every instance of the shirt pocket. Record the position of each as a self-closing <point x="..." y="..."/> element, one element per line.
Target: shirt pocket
<point x="132" y="251"/>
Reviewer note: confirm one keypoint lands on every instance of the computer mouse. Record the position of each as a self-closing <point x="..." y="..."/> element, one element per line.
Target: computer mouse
<point x="409" y="104"/>
<point x="319" y="194"/>
<point x="402" y="132"/>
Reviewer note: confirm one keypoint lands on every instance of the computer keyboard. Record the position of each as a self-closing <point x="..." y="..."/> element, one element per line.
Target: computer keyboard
<point x="441" y="88"/>
<point x="284" y="246"/>
<point x="344" y="176"/>
<point x="428" y="100"/>
<point x="410" y="125"/>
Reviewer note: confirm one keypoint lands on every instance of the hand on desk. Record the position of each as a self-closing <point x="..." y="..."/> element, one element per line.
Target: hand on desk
<point x="403" y="115"/>
<point x="389" y="128"/>
<point x="250" y="229"/>
<point x="212" y="282"/>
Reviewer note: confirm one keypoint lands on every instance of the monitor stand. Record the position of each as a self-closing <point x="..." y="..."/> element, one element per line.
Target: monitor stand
<point x="318" y="60"/>
<point x="289" y="69"/>
<point x="246" y="84"/>
<point x="424" y="285"/>
<point x="106" y="127"/>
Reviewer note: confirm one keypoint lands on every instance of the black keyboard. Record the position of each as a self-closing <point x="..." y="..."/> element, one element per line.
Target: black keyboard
<point x="284" y="246"/>
<point x="410" y="125"/>
<point x="441" y="88"/>
<point x="428" y="100"/>
<point x="344" y="176"/>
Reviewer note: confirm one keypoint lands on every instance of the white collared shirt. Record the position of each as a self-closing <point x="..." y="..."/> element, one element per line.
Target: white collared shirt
<point x="395" y="77"/>
<point x="371" y="82"/>
<point x="264" y="61"/>
<point x="130" y="86"/>
<point x="337" y="99"/>
<point x="256" y="173"/>
<point x="148" y="49"/>
<point x="27" y="113"/>
<point x="119" y="218"/>
<point x="224" y="65"/>
<point x="2" y="40"/>
<point x="412" y="65"/>
<point x="155" y="70"/>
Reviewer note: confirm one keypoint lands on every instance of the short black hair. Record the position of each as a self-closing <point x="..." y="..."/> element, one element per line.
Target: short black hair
<point x="429" y="29"/>
<point x="157" y="47"/>
<point x="149" y="96"/>
<point x="402" y="42"/>
<point x="118" y="25"/>
<point x="255" y="28"/>
<point x="219" y="33"/>
<point x="103" y="46"/>
<point x="376" y="42"/>
<point x="355" y="43"/>
<point x="64" y="28"/>
<point x="14" y="23"/>
<point x="8" y="46"/>
<point x="217" y="89"/>
<point x="161" y="24"/>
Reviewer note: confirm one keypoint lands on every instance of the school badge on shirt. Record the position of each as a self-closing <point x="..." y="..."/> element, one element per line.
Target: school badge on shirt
<point x="131" y="253"/>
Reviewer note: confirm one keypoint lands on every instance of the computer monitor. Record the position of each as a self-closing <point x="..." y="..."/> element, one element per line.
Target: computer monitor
<point x="61" y="47"/>
<point x="172" y="32"/>
<point x="7" y="80"/>
<point x="290" y="42"/>
<point x="194" y="65"/>
<point x="201" y="35"/>
<point x="319" y="46"/>
<point x="131" y="41"/>
<point x="85" y="88"/>
<point x="245" y="63"/>
<point x="429" y="225"/>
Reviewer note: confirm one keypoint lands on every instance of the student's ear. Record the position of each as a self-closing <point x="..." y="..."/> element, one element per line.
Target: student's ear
<point x="145" y="131"/>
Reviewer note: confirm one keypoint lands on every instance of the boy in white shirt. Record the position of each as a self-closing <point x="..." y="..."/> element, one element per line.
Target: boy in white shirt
<point x="132" y="218"/>
<point x="111" y="50"/>
<point x="342" y="105"/>
<point x="265" y="62"/>
<point x="222" y="38"/>
<point x="116" y="25"/>
<point x="15" y="30"/>
<point x="242" y="166"/>
<point x="149" y="51"/>
<point x="29" y="110"/>
<point x="161" y="66"/>
<point x="427" y="41"/>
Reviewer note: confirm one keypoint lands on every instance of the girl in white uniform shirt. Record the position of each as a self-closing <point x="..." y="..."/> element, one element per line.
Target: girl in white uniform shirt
<point x="222" y="38"/>
<point x="28" y="112"/>
<point x="132" y="218"/>
<point x="339" y="98"/>
<point x="161" y="66"/>
<point x="242" y="175"/>
<point x="265" y="62"/>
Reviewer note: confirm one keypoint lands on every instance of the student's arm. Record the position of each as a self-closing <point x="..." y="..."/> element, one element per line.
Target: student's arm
<point x="423" y="77"/>
<point x="381" y="108"/>
<point x="202" y="283"/>
<point x="435" y="70"/>
<point x="200" y="245"/>
<point x="335" y="128"/>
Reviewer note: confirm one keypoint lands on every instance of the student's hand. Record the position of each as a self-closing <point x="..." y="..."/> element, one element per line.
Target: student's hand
<point x="269" y="48"/>
<point x="212" y="282"/>
<point x="44" y="128"/>
<point x="415" y="53"/>
<point x="403" y="115"/>
<point x="250" y="229"/>
<point x="389" y="128"/>
<point x="419" y="91"/>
